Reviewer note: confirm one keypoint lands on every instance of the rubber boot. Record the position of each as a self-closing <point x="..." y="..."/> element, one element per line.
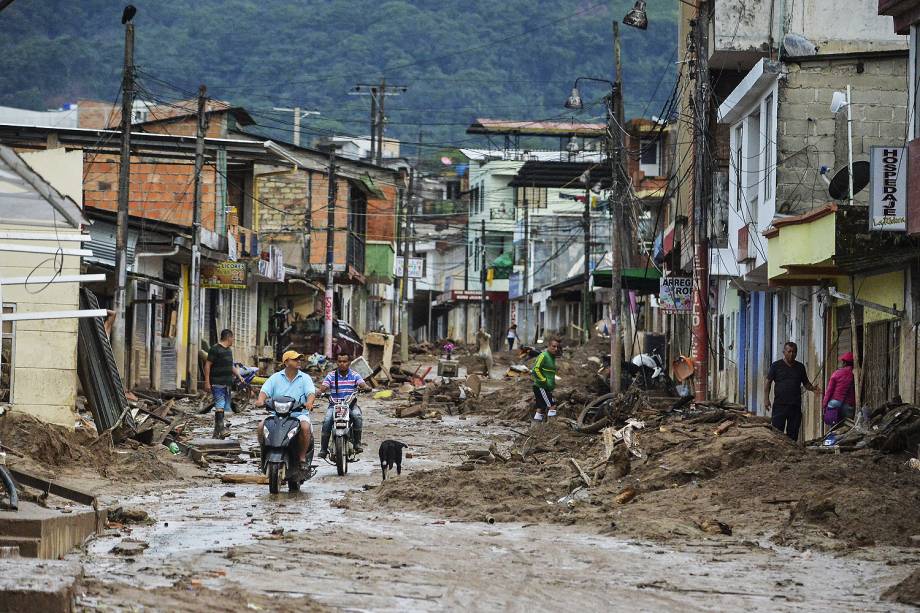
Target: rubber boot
<point x="219" y="425"/>
<point x="357" y="440"/>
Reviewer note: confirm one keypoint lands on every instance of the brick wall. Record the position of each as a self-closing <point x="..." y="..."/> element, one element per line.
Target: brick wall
<point x="809" y="135"/>
<point x="160" y="190"/>
<point x="381" y="214"/>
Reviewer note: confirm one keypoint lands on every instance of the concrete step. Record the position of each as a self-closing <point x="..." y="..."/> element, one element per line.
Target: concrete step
<point x="56" y="532"/>
<point x="28" y="547"/>
<point x="38" y="585"/>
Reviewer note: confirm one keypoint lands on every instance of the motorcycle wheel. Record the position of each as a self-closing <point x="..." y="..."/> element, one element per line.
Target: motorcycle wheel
<point x="341" y="461"/>
<point x="274" y="476"/>
<point x="594" y="415"/>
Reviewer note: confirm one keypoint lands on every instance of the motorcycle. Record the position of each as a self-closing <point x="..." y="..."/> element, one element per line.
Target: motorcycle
<point x="649" y="372"/>
<point x="342" y="450"/>
<point x="279" y="446"/>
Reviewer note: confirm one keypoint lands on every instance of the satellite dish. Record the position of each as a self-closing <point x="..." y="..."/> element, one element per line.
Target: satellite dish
<point x="839" y="185"/>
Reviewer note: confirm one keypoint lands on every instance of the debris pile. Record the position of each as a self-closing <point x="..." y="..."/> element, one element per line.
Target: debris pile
<point x="891" y="427"/>
<point x="674" y="470"/>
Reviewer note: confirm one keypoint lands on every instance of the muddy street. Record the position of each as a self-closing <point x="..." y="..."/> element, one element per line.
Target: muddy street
<point x="236" y="547"/>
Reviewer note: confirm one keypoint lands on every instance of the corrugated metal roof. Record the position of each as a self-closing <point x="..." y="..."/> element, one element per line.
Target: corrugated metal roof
<point x="103" y="244"/>
<point x="535" y="128"/>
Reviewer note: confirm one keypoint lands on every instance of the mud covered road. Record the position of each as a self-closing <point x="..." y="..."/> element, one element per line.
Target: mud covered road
<point x="214" y="546"/>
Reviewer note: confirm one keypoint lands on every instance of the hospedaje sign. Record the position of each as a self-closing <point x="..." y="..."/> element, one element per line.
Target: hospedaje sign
<point x="888" y="189"/>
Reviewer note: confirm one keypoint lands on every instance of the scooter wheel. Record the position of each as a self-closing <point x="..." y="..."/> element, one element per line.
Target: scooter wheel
<point x="274" y="476"/>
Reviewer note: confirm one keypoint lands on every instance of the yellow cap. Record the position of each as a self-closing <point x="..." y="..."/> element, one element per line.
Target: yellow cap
<point x="291" y="355"/>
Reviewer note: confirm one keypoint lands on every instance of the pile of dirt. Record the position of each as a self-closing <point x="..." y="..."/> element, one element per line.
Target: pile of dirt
<point x="906" y="592"/>
<point x="690" y="475"/>
<point x="57" y="449"/>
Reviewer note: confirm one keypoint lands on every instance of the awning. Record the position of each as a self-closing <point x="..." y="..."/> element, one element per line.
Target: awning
<point x="639" y="280"/>
<point x="561" y="175"/>
<point x="367" y="185"/>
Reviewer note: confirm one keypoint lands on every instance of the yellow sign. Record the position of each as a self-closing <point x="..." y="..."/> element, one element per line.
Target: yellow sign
<point x="223" y="275"/>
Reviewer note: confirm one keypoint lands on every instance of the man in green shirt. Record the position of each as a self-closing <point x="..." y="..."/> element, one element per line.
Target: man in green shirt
<point x="218" y="379"/>
<point x="543" y="374"/>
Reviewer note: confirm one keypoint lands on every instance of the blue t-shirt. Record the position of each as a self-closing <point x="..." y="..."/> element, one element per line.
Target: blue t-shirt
<point x="299" y="389"/>
<point x="347" y="384"/>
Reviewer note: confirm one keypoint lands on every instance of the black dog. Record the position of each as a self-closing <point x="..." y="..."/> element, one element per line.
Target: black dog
<point x="390" y="454"/>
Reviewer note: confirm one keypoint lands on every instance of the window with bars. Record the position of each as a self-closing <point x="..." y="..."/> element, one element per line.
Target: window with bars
<point x="240" y="322"/>
<point x="7" y="337"/>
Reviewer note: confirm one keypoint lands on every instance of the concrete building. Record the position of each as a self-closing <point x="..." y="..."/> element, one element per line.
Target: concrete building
<point x="39" y="357"/>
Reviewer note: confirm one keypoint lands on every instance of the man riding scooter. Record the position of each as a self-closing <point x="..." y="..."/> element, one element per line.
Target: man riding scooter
<point x="298" y="385"/>
<point x="342" y="383"/>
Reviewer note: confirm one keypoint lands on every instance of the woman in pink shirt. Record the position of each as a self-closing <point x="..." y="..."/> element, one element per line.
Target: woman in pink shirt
<point x="840" y="397"/>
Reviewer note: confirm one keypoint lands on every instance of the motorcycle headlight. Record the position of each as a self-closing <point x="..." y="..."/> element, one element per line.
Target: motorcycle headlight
<point x="265" y="433"/>
<point x="283" y="408"/>
<point x="292" y="432"/>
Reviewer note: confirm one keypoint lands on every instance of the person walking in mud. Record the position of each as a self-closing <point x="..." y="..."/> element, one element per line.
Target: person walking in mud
<point x="790" y="377"/>
<point x="512" y="336"/>
<point x="543" y="374"/>
<point x="840" y="397"/>
<point x="218" y="379"/>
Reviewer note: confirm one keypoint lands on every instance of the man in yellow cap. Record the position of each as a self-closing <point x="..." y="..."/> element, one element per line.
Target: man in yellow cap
<point x="298" y="385"/>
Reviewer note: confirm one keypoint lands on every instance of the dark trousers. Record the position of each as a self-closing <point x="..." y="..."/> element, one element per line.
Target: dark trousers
<point x="787" y="418"/>
<point x="510" y="344"/>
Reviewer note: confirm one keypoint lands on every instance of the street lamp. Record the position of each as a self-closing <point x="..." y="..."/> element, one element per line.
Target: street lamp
<point x="636" y="17"/>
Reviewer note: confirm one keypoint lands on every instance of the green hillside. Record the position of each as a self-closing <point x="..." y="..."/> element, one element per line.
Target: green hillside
<point x="459" y="60"/>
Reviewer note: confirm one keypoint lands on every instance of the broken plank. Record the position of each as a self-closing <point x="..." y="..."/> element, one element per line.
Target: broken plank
<point x="581" y="473"/>
<point x="241" y="479"/>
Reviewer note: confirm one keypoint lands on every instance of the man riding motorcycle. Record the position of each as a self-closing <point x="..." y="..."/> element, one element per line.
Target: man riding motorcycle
<point x="298" y="385"/>
<point x="340" y="384"/>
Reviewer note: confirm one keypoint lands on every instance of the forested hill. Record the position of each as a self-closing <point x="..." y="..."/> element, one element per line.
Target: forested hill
<point x="459" y="59"/>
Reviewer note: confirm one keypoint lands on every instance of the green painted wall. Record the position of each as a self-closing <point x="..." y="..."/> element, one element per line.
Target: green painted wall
<point x="378" y="261"/>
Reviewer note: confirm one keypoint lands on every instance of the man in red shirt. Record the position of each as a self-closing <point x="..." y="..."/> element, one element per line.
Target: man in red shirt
<point x="840" y="396"/>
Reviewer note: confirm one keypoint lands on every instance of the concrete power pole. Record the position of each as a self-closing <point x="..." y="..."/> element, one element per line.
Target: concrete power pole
<point x="404" y="282"/>
<point x="194" y="328"/>
<point x="330" y="257"/>
<point x="701" y="182"/>
<point x="526" y="283"/>
<point x="585" y="293"/>
<point x="482" y="275"/>
<point x="119" y="342"/>
<point x="299" y="114"/>
<point x="615" y="120"/>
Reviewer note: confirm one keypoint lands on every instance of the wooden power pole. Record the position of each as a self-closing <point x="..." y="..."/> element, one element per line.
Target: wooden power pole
<point x="119" y="342"/>
<point x="194" y="327"/>
<point x="614" y="121"/>
<point x="330" y="257"/>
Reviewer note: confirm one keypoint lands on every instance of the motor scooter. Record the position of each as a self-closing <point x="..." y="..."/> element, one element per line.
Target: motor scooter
<point x="279" y="446"/>
<point x="342" y="449"/>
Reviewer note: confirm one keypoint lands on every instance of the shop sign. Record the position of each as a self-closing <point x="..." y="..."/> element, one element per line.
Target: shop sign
<point x="888" y="189"/>
<point x="223" y="275"/>
<point x="676" y="294"/>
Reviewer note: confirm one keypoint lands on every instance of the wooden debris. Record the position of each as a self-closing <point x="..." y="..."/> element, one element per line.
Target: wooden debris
<point x="714" y="526"/>
<point x="626" y="495"/>
<point x="409" y="411"/>
<point x="581" y="473"/>
<point x="240" y="479"/>
<point x="723" y="427"/>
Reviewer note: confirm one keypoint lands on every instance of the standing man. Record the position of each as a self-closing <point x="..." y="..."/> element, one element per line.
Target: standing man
<point x="296" y="384"/>
<point x="790" y="377"/>
<point x="512" y="336"/>
<point x="218" y="379"/>
<point x="543" y="374"/>
<point x="342" y="383"/>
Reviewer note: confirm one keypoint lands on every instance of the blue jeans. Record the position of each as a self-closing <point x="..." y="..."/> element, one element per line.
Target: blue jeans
<point x="221" y="395"/>
<point x="357" y="422"/>
<point x="844" y="410"/>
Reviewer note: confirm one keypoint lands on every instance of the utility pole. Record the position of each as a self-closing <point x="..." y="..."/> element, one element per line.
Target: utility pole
<point x="614" y="121"/>
<point x="119" y="342"/>
<point x="701" y="179"/>
<point x="400" y="204"/>
<point x="377" y="93"/>
<point x="381" y="122"/>
<point x="307" y="228"/>
<point x="585" y="293"/>
<point x="298" y="115"/>
<point x="466" y="282"/>
<point x="330" y="256"/>
<point x="373" y="123"/>
<point x="404" y="284"/>
<point x="482" y="276"/>
<point x="526" y="268"/>
<point x="194" y="329"/>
